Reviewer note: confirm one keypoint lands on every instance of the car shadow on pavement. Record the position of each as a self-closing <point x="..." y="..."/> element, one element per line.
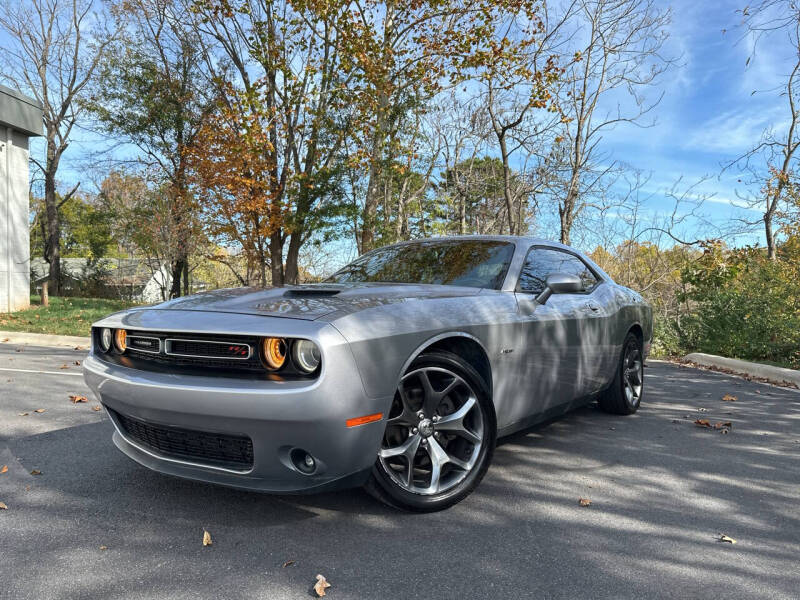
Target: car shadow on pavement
<point x="661" y="489"/>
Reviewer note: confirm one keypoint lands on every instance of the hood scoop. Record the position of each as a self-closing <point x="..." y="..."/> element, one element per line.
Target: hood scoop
<point x="311" y="290"/>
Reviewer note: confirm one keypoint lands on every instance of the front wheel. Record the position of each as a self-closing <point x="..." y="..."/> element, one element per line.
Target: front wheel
<point x="624" y="395"/>
<point x="440" y="436"/>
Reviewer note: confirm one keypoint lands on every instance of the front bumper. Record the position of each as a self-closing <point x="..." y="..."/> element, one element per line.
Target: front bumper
<point x="276" y="416"/>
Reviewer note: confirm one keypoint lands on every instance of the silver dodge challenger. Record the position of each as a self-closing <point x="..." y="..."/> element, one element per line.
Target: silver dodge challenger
<point x="399" y="372"/>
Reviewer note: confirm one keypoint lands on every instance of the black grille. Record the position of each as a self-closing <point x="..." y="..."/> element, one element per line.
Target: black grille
<point x="221" y="353"/>
<point x="203" y="349"/>
<point x="214" y="449"/>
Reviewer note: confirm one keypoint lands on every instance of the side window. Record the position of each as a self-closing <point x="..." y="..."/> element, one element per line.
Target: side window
<point x="542" y="262"/>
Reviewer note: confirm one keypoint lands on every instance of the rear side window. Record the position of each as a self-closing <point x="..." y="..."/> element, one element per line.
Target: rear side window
<point x="542" y="262"/>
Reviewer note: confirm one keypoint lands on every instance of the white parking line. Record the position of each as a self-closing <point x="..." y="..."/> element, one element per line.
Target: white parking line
<point x="41" y="372"/>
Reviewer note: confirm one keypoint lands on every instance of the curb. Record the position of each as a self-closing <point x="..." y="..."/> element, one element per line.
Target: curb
<point x="43" y="339"/>
<point x="769" y="373"/>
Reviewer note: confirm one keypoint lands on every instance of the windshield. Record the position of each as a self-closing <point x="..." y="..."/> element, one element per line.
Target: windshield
<point x="472" y="263"/>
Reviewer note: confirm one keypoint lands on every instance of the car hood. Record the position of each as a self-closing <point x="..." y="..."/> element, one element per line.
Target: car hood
<point x="313" y="301"/>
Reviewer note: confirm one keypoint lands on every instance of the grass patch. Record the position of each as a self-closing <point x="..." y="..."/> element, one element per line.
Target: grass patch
<point x="64" y="316"/>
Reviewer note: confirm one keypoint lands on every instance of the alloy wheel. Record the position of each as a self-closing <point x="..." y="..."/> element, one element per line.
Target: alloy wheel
<point x="632" y="375"/>
<point x="434" y="433"/>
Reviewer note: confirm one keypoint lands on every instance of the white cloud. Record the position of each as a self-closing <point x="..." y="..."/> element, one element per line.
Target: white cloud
<point x="734" y="131"/>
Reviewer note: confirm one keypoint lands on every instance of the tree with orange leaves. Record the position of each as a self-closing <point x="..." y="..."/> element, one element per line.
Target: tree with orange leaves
<point x="232" y="164"/>
<point x="266" y="166"/>
<point x="402" y="48"/>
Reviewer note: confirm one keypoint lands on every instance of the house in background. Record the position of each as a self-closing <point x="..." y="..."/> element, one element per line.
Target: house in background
<point x="137" y="280"/>
<point x="20" y="119"/>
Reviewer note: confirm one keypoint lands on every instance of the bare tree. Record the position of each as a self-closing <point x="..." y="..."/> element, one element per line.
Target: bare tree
<point x="516" y="91"/>
<point x="54" y="52"/>
<point x="620" y="45"/>
<point x="771" y="163"/>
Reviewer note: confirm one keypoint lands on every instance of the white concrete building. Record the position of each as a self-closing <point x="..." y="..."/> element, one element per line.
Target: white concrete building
<point x="20" y="119"/>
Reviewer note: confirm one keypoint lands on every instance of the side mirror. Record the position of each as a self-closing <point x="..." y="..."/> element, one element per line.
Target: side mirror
<point x="560" y="283"/>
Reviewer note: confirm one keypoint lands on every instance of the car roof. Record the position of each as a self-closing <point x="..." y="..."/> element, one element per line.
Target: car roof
<point x="519" y="240"/>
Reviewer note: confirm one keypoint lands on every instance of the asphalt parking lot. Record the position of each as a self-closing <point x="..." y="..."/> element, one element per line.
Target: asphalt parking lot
<point x="662" y="492"/>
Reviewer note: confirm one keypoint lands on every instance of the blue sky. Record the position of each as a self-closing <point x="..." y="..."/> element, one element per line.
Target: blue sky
<point x="709" y="114"/>
<point x="707" y="117"/>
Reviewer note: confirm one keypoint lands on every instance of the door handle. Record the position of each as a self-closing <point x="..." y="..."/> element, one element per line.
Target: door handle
<point x="592" y="306"/>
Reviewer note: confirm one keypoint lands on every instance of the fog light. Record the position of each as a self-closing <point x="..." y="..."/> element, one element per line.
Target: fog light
<point x="303" y="461"/>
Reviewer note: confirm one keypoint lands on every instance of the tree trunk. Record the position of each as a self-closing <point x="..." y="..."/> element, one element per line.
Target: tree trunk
<point x="566" y="211"/>
<point x="566" y="224"/>
<point x="373" y="185"/>
<point x="462" y="213"/>
<point x="378" y="142"/>
<point x="507" y="185"/>
<point x="276" y="258"/>
<point x="177" y="272"/>
<point x="770" y="235"/>
<point x="52" y="242"/>
<point x="292" y="271"/>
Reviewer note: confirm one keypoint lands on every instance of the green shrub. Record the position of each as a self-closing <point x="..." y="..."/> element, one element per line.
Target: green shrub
<point x="745" y="305"/>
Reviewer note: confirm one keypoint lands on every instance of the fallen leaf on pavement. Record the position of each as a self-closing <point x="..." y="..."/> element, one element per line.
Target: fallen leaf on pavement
<point x="206" y="538"/>
<point x="103" y="547"/>
<point x="78" y="347"/>
<point x="23" y="414"/>
<point x="320" y="586"/>
<point x="75" y="399"/>
<point x="19" y="350"/>
<point x="96" y="408"/>
<point x="4" y="340"/>
<point x="288" y="563"/>
<point x="584" y="501"/>
<point x="39" y="410"/>
<point x="36" y="472"/>
<point x="725" y="538"/>
<point x="64" y="367"/>
<point x="3" y="506"/>
<point x="702" y="410"/>
<point x="722" y="424"/>
<point x="702" y="423"/>
<point x="729" y="398"/>
<point x="77" y="363"/>
<point x="4" y="469"/>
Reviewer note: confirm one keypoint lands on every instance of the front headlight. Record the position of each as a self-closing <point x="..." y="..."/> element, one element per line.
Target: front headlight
<point x="306" y="355"/>
<point x="105" y="339"/>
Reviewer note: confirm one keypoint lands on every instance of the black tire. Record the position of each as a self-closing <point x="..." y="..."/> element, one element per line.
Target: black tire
<point x="617" y="399"/>
<point x="383" y="485"/>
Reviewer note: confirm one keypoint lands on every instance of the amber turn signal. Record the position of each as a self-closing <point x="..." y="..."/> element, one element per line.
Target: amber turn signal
<point x="120" y="340"/>
<point x="364" y="420"/>
<point x="274" y="352"/>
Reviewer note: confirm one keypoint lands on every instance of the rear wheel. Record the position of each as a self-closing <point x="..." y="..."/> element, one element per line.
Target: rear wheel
<point x="624" y="396"/>
<point x="439" y="438"/>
